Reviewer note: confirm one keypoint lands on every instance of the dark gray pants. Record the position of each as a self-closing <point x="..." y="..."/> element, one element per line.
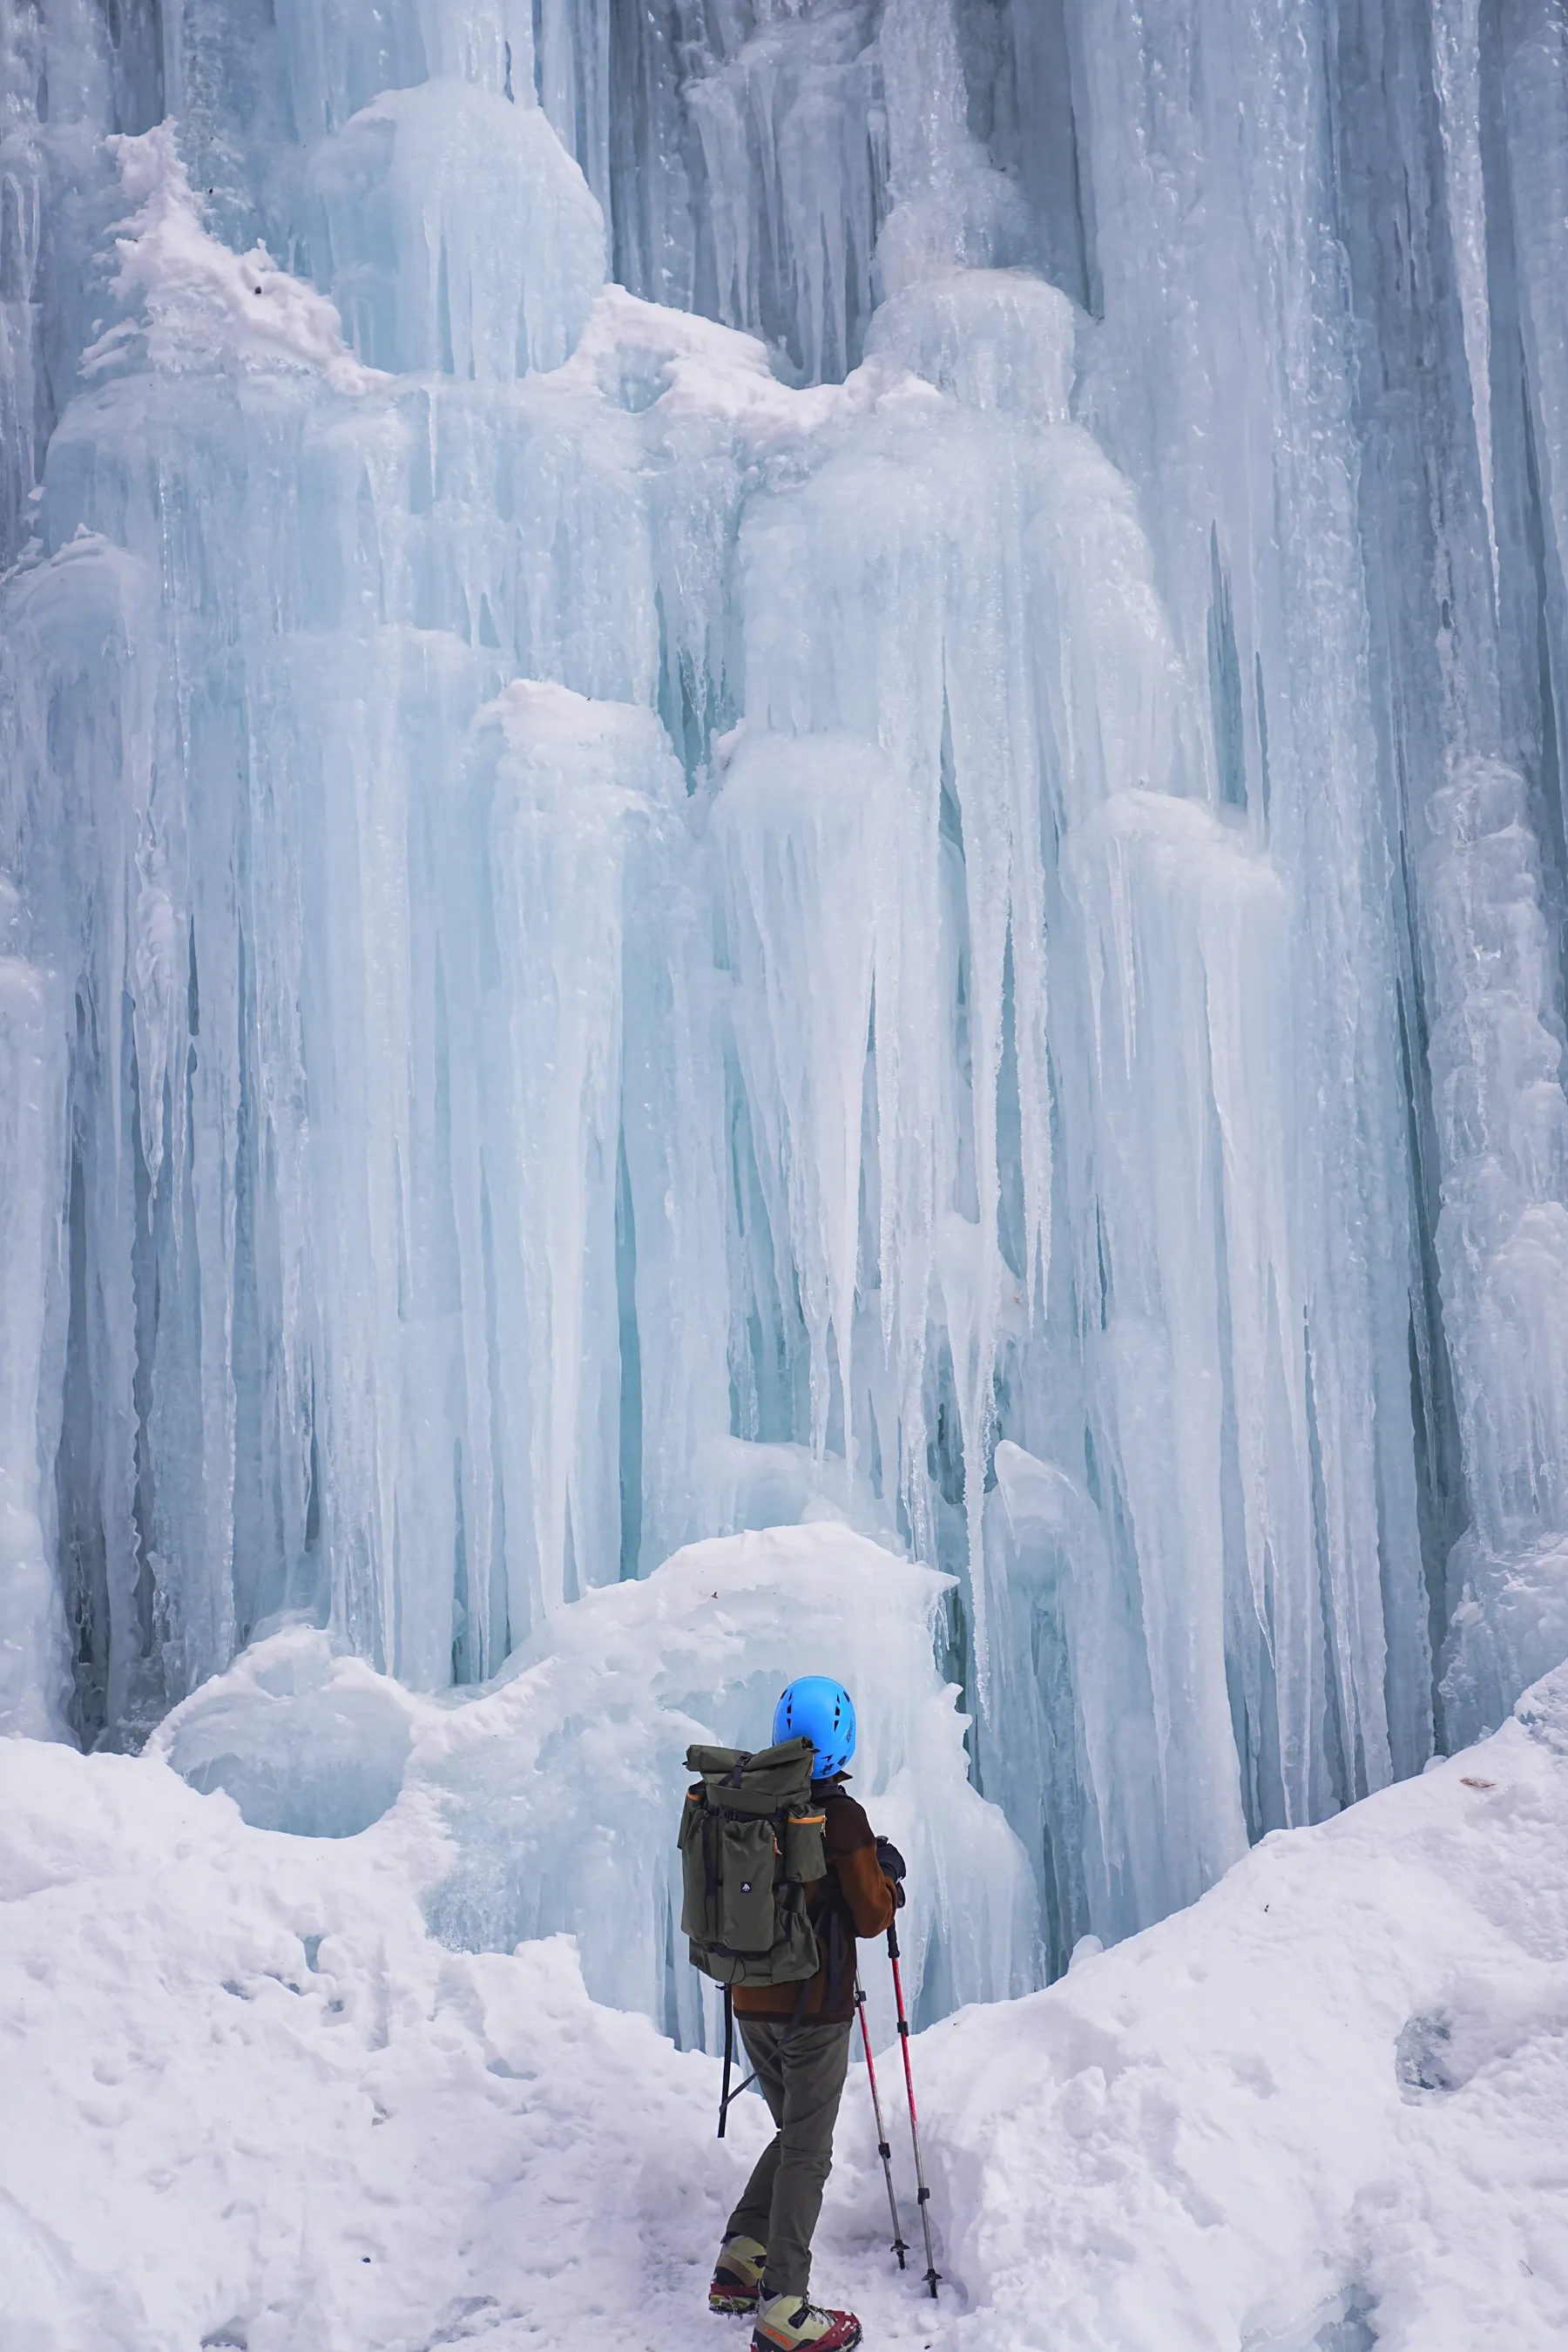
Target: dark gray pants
<point x="801" y="2075"/>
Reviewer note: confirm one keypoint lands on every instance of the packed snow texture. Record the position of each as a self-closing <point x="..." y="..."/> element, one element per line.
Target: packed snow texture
<point x="252" y="2101"/>
<point x="782" y="761"/>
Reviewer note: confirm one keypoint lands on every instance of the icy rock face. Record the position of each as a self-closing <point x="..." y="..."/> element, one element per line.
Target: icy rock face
<point x="946" y="911"/>
<point x="1025" y="640"/>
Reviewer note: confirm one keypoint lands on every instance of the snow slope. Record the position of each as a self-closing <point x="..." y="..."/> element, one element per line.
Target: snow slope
<point x="251" y="2102"/>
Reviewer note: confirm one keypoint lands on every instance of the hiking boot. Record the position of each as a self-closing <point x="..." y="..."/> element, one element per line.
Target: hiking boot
<point x="737" y="2275"/>
<point x="787" y="2323"/>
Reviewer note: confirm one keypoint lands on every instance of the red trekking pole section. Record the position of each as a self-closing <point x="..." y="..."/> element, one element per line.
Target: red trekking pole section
<point x="922" y="2192"/>
<point x="883" y="2150"/>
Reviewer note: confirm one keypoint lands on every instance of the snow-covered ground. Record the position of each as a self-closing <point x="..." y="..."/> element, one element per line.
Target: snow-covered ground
<point x="251" y="2102"/>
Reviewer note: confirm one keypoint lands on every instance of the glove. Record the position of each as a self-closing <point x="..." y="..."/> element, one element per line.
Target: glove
<point x="891" y="1862"/>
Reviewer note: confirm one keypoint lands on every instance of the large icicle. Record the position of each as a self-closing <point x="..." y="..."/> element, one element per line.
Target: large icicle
<point x="563" y="789"/>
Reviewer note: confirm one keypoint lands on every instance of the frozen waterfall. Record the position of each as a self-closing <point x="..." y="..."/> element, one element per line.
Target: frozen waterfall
<point x="767" y="760"/>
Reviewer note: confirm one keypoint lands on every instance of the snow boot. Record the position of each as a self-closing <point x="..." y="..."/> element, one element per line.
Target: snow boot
<point x="737" y="2275"/>
<point x="787" y="2323"/>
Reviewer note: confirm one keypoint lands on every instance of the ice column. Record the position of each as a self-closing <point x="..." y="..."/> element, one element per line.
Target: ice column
<point x="949" y="204"/>
<point x="1221" y="380"/>
<point x="871" y="612"/>
<point x="76" y="789"/>
<point x="791" y="140"/>
<point x="1180" y="1109"/>
<point x="980" y="753"/>
<point x="34" y="1680"/>
<point x="69" y="74"/>
<point x="1459" y="377"/>
<point x="1496" y="1055"/>
<point x="571" y="799"/>
<point x="1535" y="91"/>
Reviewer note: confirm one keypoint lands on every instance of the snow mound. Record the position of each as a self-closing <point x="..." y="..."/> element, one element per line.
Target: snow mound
<point x="1316" y="2110"/>
<point x="558" y="1785"/>
<point x="552" y="1793"/>
<point x="302" y="1741"/>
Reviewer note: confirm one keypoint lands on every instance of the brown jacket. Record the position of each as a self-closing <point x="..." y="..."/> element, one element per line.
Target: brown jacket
<point x="854" y="1899"/>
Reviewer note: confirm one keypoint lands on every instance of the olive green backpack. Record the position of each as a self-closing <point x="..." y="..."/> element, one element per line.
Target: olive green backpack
<point x="750" y="1838"/>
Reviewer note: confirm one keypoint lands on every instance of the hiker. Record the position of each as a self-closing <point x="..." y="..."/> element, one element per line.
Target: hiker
<point x="796" y="2027"/>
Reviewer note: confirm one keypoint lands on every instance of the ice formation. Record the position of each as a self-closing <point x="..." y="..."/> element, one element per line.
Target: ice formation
<point x="552" y="1790"/>
<point x="795" y="761"/>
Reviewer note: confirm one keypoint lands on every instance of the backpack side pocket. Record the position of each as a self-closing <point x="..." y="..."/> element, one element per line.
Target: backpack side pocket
<point x="795" y="1953"/>
<point x="700" y="1857"/>
<point x="805" y="1855"/>
<point x="747" y="1890"/>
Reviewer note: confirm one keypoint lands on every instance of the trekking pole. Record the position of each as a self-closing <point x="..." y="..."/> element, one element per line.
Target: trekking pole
<point x="728" y="2097"/>
<point x="725" y="2096"/>
<point x="923" y="2194"/>
<point x="883" y="2150"/>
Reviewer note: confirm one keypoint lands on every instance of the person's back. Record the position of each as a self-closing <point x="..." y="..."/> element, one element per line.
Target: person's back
<point x="797" y="2036"/>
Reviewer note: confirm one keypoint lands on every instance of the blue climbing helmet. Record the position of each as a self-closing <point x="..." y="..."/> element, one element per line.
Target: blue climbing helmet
<point x="823" y="1711"/>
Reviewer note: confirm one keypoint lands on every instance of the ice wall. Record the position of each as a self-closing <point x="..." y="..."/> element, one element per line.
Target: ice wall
<point x="908" y="864"/>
